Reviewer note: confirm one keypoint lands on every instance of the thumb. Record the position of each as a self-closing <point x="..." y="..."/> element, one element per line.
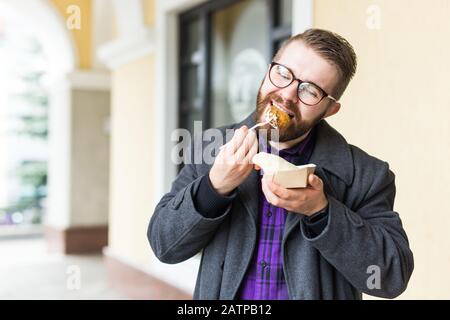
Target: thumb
<point x="315" y="182"/>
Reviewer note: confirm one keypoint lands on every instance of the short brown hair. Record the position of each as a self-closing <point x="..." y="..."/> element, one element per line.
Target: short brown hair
<point x="333" y="48"/>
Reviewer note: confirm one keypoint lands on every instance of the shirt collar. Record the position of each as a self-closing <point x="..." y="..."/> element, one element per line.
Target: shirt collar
<point x="292" y="151"/>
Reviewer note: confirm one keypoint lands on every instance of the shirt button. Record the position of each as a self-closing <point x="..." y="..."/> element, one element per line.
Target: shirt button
<point x="269" y="213"/>
<point x="264" y="264"/>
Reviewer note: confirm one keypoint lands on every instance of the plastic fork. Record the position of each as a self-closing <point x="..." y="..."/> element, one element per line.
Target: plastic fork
<point x="253" y="128"/>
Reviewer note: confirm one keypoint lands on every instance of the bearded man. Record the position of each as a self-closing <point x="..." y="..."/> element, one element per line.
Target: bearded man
<point x="335" y="239"/>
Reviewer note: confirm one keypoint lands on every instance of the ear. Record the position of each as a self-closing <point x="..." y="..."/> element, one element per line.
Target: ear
<point x="332" y="110"/>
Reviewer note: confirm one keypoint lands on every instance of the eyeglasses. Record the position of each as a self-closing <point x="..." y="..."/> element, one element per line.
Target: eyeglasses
<point x="308" y="93"/>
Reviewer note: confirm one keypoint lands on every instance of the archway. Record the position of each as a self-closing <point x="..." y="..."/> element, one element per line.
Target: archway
<point x="40" y="19"/>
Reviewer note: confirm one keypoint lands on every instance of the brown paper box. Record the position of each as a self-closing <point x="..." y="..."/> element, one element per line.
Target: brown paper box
<point x="295" y="178"/>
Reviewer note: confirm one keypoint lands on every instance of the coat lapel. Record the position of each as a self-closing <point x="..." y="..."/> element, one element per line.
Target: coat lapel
<point x="242" y="238"/>
<point x="331" y="153"/>
<point x="243" y="231"/>
<point x="248" y="191"/>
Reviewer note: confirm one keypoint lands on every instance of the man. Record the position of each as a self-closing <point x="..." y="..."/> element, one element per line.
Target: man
<point x="335" y="239"/>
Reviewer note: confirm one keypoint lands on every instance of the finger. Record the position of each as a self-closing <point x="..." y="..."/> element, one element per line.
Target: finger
<point x="315" y="182"/>
<point x="270" y="196"/>
<point x="273" y="198"/>
<point x="236" y="141"/>
<point x="239" y="138"/>
<point x="253" y="149"/>
<point x="245" y="148"/>
<point x="233" y="145"/>
<point x="279" y="191"/>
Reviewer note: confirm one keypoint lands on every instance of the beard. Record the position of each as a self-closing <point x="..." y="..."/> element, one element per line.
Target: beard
<point x="296" y="128"/>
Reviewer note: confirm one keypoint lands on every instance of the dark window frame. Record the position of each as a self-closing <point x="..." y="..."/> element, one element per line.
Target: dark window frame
<point x="277" y="31"/>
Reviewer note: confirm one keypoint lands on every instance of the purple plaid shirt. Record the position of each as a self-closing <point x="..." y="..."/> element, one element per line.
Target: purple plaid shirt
<point x="264" y="279"/>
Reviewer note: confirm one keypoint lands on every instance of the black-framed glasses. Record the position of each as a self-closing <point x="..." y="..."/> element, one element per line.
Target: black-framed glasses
<point x="308" y="93"/>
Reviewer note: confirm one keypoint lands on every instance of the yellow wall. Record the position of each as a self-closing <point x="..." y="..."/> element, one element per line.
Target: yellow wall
<point x="149" y="12"/>
<point x="132" y="168"/>
<point x="83" y="36"/>
<point x="90" y="145"/>
<point x="132" y="159"/>
<point x="397" y="109"/>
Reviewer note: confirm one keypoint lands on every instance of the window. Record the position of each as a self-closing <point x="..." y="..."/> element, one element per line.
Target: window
<point x="281" y="23"/>
<point x="225" y="50"/>
<point x="23" y="136"/>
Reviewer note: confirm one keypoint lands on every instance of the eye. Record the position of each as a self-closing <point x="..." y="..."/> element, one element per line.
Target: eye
<point x="283" y="72"/>
<point x="310" y="90"/>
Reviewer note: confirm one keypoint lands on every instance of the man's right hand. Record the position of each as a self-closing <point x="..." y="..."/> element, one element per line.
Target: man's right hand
<point x="233" y="163"/>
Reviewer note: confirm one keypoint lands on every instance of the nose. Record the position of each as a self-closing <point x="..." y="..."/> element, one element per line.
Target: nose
<point x="290" y="92"/>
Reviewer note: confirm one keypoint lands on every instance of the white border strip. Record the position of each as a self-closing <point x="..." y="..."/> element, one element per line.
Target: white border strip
<point x="135" y="40"/>
<point x="127" y="49"/>
<point x="302" y="15"/>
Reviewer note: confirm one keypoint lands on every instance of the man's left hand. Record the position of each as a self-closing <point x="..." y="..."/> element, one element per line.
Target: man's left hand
<point x="306" y="201"/>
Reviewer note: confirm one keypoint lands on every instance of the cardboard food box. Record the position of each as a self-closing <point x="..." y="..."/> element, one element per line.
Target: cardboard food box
<point x="283" y="172"/>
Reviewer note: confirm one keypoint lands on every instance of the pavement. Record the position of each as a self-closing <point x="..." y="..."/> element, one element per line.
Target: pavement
<point x="28" y="271"/>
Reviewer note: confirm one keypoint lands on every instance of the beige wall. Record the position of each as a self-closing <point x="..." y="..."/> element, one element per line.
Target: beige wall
<point x="90" y="158"/>
<point x="149" y="12"/>
<point x="83" y="36"/>
<point x="132" y="159"/>
<point x="397" y="109"/>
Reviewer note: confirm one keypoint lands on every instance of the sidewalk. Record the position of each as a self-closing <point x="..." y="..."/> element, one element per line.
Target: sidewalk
<point x="29" y="272"/>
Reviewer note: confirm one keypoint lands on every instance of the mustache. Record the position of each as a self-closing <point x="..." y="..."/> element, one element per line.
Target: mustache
<point x="291" y="106"/>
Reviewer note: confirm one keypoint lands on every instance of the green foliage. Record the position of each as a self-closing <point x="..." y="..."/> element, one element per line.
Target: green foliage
<point x="33" y="179"/>
<point x="32" y="123"/>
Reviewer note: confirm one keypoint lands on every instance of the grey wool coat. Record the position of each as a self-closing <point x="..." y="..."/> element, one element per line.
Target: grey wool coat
<point x="363" y="248"/>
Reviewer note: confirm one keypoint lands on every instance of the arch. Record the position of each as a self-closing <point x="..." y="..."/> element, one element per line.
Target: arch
<point x="48" y="26"/>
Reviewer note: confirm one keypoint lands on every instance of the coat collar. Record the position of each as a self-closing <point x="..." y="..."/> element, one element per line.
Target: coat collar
<point x="332" y="153"/>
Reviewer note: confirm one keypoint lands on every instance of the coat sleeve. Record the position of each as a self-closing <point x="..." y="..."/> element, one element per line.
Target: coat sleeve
<point x="177" y="230"/>
<point x="368" y="245"/>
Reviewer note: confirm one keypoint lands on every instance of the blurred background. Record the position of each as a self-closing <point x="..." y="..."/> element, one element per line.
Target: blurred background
<point x="91" y="90"/>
